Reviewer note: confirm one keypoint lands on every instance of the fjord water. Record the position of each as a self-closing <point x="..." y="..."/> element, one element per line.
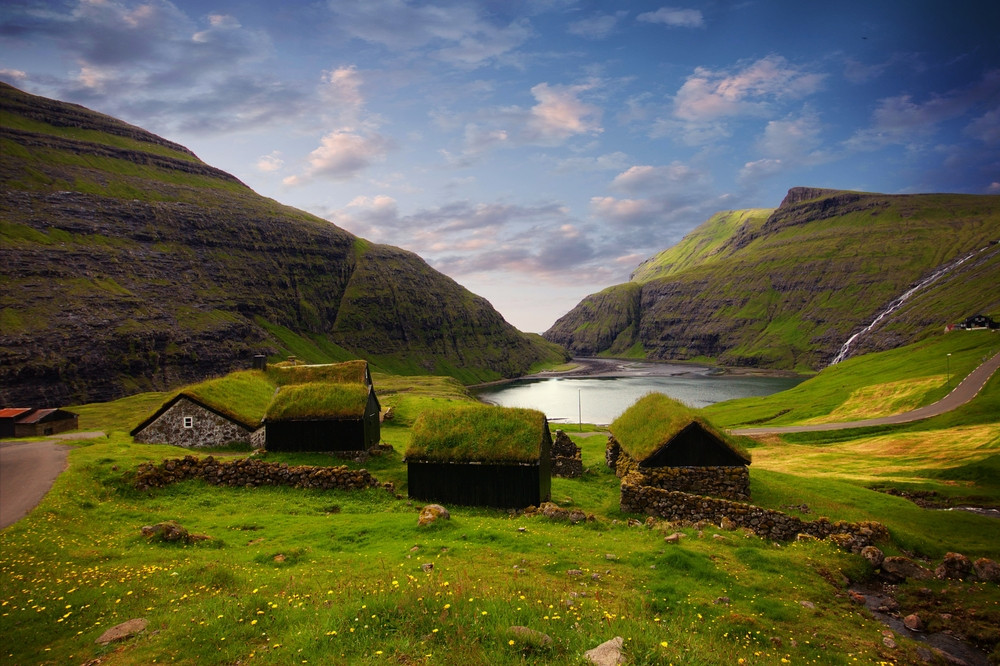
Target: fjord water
<point x="601" y="399"/>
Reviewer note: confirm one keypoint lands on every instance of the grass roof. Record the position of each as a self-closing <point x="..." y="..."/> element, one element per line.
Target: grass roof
<point x="242" y="396"/>
<point x="349" y="372"/>
<point x="318" y="400"/>
<point x="484" y="433"/>
<point x="653" y="420"/>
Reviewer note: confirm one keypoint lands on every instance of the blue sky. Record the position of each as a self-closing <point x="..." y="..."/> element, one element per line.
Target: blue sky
<point x="536" y="151"/>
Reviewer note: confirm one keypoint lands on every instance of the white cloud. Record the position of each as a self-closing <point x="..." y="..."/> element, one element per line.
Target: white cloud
<point x="342" y="88"/>
<point x="341" y="155"/>
<point x="598" y="26"/>
<point x="13" y="75"/>
<point x="615" y="161"/>
<point x="708" y="94"/>
<point x="986" y="128"/>
<point x="674" y="16"/>
<point x="659" y="179"/>
<point x="793" y="137"/>
<point x="270" y="162"/>
<point x="560" y="114"/>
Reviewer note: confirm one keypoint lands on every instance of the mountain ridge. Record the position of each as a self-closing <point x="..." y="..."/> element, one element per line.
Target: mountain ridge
<point x="785" y="287"/>
<point x="129" y="265"/>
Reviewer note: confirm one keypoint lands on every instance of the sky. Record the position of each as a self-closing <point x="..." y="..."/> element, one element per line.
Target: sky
<point x="536" y="151"/>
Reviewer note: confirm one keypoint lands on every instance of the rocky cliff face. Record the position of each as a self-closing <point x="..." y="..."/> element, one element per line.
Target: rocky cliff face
<point x="786" y="288"/>
<point x="129" y="265"/>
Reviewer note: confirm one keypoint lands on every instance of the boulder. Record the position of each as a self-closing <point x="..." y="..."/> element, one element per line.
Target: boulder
<point x="608" y="653"/>
<point x="123" y="631"/>
<point x="874" y="556"/>
<point x="954" y="565"/>
<point x="431" y="513"/>
<point x="913" y="622"/>
<point x="897" y="568"/>
<point x="987" y="570"/>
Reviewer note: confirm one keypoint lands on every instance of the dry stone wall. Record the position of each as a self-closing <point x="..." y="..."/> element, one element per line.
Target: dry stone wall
<point x="684" y="507"/>
<point x="249" y="472"/>
<point x="566" y="459"/>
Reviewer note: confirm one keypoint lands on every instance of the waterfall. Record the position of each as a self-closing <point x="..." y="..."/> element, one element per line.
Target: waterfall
<point x="898" y="301"/>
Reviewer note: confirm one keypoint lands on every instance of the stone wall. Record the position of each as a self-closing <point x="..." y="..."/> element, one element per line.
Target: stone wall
<point x="566" y="460"/>
<point x="680" y="507"/>
<point x="727" y="482"/>
<point x="249" y="472"/>
<point x="207" y="428"/>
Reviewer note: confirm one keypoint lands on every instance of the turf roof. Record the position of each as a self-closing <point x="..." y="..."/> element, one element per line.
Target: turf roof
<point x="485" y="433"/>
<point x="349" y="372"/>
<point x="318" y="400"/>
<point x="243" y="396"/>
<point x="654" y="419"/>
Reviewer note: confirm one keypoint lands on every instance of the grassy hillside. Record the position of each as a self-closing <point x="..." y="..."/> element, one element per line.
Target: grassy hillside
<point x="292" y="576"/>
<point x="786" y="288"/>
<point x="129" y="265"/>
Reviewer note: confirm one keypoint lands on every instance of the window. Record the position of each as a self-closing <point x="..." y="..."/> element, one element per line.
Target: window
<point x="188" y="421"/>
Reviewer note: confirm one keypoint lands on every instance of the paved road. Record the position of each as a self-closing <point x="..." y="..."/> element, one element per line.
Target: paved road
<point x="27" y="472"/>
<point x="966" y="390"/>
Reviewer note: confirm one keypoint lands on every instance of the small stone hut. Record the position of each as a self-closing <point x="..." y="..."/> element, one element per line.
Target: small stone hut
<point x="188" y="420"/>
<point x="566" y="460"/>
<point x="665" y="444"/>
<point x="33" y="422"/>
<point x="481" y="455"/>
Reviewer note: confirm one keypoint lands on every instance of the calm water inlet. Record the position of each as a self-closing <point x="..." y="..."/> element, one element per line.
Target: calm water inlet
<point x="601" y="399"/>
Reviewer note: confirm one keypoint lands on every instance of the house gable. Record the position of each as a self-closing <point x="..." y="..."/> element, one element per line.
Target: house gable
<point x="186" y="421"/>
<point x="694" y="446"/>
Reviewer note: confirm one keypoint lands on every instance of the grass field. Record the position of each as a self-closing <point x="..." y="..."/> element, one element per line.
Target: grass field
<point x="299" y="576"/>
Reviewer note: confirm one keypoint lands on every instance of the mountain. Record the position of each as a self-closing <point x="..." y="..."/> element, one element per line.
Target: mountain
<point x="785" y="288"/>
<point x="130" y="265"/>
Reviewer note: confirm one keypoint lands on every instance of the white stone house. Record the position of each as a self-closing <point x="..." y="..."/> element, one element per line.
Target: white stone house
<point x="187" y="421"/>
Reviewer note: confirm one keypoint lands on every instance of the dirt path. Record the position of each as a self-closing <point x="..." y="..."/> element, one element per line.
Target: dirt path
<point x="966" y="390"/>
<point x="27" y="472"/>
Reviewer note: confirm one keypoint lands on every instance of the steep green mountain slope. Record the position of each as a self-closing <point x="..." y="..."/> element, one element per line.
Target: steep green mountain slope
<point x="786" y="288"/>
<point x="128" y="265"/>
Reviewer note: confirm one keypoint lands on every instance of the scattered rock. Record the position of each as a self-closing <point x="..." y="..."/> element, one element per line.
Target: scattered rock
<point x="529" y="637"/>
<point x="123" y="631"/>
<point x="432" y="512"/>
<point x="727" y="524"/>
<point x="955" y="566"/>
<point x="608" y="653"/>
<point x="986" y="569"/>
<point x="427" y="567"/>
<point x="610" y="556"/>
<point x="874" y="556"/>
<point x="856" y="597"/>
<point x="888" y="642"/>
<point x="171" y="531"/>
<point x="722" y="600"/>
<point x="805" y="537"/>
<point x="913" y="622"/>
<point x="673" y="538"/>
<point x="807" y="604"/>
<point x="574" y="572"/>
<point x="897" y="568"/>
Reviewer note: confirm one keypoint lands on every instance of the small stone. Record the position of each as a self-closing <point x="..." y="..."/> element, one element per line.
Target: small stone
<point x="873" y="555"/>
<point x="432" y="512"/>
<point x="913" y="622"/>
<point x="522" y="529"/>
<point x="123" y="631"/>
<point x="574" y="572"/>
<point x="610" y="556"/>
<point x="807" y="604"/>
<point x="427" y="567"/>
<point x="857" y="597"/>
<point x="888" y="642"/>
<point x="727" y="523"/>
<point x="987" y="570"/>
<point x="673" y="538"/>
<point x="529" y="636"/>
<point x="608" y="653"/>
<point x="721" y="600"/>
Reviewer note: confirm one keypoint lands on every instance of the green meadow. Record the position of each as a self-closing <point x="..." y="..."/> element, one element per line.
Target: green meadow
<point x="292" y="576"/>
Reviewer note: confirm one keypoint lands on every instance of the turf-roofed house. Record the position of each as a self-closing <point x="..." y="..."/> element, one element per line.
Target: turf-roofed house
<point x="285" y="407"/>
<point x="663" y="443"/>
<point x="216" y="412"/>
<point x="323" y="408"/>
<point x="481" y="455"/>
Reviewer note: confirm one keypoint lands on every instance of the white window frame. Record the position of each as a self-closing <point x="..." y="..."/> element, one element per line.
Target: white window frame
<point x="188" y="421"/>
